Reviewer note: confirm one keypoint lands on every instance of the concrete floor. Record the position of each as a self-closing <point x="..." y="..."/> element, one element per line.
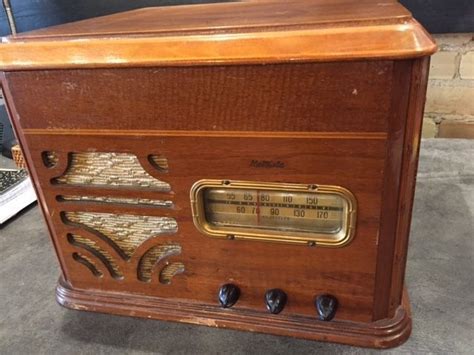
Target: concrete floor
<point x="439" y="278"/>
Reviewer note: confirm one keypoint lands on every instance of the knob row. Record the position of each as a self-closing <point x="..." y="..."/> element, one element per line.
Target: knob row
<point x="275" y="300"/>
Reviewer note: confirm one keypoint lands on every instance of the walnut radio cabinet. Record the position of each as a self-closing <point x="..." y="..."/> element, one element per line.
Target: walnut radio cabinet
<point x="248" y="165"/>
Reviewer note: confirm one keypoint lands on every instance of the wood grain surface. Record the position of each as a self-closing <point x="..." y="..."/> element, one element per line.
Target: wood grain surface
<point x="244" y="32"/>
<point x="243" y="16"/>
<point x="278" y="97"/>
<point x="354" y="124"/>
<point x="365" y="159"/>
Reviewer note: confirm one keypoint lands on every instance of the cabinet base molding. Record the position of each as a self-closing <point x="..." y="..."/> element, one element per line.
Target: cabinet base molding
<point x="385" y="333"/>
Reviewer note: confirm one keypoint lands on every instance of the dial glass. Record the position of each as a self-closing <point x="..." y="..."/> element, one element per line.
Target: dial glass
<point x="281" y="210"/>
<point x="277" y="212"/>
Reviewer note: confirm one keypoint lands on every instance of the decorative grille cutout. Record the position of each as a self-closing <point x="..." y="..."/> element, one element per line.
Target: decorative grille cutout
<point x="126" y="232"/>
<point x="84" y="260"/>
<point x="110" y="169"/>
<point x="169" y="271"/>
<point x="98" y="252"/>
<point x="153" y="256"/>
<point x="159" y="162"/>
<point x="119" y="200"/>
<point x="50" y="159"/>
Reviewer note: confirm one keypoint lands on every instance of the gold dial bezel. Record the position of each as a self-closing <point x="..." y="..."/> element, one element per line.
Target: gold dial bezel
<point x="319" y="239"/>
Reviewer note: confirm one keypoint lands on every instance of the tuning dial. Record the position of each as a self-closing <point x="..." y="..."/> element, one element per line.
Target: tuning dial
<point x="228" y="295"/>
<point x="275" y="300"/>
<point x="326" y="305"/>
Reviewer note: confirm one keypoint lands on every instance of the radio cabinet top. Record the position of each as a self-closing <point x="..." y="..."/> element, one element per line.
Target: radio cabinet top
<point x="237" y="32"/>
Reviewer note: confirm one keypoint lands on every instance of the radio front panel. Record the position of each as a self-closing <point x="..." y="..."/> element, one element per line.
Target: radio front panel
<point x="140" y="230"/>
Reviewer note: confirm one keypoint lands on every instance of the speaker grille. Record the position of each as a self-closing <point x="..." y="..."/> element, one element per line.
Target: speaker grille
<point x="111" y="169"/>
<point x="119" y="200"/>
<point x="153" y="257"/>
<point x="125" y="231"/>
<point x="98" y="252"/>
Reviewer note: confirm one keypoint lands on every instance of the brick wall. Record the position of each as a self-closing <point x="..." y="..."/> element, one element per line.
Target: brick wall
<point x="449" y="110"/>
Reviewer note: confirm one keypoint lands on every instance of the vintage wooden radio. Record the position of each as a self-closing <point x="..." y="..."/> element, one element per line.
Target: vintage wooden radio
<point x="248" y="165"/>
